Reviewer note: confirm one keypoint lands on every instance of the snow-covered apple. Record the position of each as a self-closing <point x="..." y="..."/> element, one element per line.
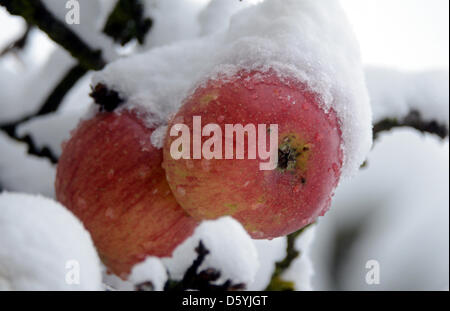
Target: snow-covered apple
<point x="269" y="203"/>
<point x="110" y="176"/>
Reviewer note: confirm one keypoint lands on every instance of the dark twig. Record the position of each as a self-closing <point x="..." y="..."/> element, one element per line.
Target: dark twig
<point x="44" y="152"/>
<point x="413" y="120"/>
<point x="203" y="281"/>
<point x="35" y="13"/>
<point x="127" y="22"/>
<point x="276" y="282"/>
<point x="59" y="92"/>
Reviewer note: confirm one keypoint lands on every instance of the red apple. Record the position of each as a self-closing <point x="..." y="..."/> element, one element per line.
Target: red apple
<point x="110" y="176"/>
<point x="269" y="203"/>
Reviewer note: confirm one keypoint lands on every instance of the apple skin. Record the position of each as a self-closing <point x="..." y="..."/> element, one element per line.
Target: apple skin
<point x="272" y="203"/>
<point x="110" y="176"/>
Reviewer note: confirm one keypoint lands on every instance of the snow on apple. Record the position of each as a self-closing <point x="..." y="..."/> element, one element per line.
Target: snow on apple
<point x="44" y="247"/>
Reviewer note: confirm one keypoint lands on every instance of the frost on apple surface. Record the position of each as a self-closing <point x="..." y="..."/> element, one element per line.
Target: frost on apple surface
<point x="231" y="252"/>
<point x="44" y="247"/>
<point x="308" y="40"/>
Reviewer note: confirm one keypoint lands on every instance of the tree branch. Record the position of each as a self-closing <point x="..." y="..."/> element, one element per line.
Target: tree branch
<point x="35" y="13"/>
<point x="413" y="120"/>
<point x="51" y="104"/>
<point x="127" y="22"/>
<point x="276" y="282"/>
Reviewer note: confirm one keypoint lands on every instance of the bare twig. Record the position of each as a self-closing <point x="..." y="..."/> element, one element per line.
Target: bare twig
<point x="127" y="22"/>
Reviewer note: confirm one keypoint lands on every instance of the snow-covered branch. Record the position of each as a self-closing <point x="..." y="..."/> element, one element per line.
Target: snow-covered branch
<point x="401" y="99"/>
<point x="414" y="120"/>
<point x="35" y="13"/>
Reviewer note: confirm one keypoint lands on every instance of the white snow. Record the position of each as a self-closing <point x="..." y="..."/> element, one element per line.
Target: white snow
<point x="395" y="93"/>
<point x="151" y="269"/>
<point x="24" y="90"/>
<point x="92" y="19"/>
<point x="216" y="16"/>
<point x="400" y="202"/>
<point x="232" y="252"/>
<point x="53" y="129"/>
<point x="173" y="20"/>
<point x="301" y="270"/>
<point x="115" y="283"/>
<point x="21" y="172"/>
<point x="44" y="247"/>
<point x="308" y="40"/>
<point x="14" y="24"/>
<point x="269" y="252"/>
